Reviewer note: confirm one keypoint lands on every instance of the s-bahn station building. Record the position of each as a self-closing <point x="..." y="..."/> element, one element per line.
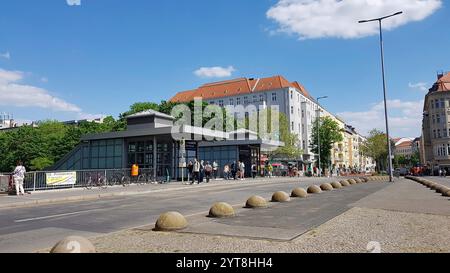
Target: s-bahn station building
<point x="149" y="142"/>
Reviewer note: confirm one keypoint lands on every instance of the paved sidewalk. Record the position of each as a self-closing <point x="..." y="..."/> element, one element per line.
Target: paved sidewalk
<point x="80" y="194"/>
<point x="403" y="217"/>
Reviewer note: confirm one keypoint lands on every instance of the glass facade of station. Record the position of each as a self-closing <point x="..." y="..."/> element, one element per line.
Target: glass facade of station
<point x="148" y="142"/>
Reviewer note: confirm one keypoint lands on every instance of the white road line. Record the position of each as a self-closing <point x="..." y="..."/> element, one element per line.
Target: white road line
<point x="54" y="216"/>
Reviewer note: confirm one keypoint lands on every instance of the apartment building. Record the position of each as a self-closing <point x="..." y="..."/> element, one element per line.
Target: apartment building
<point x="292" y="98"/>
<point x="436" y="125"/>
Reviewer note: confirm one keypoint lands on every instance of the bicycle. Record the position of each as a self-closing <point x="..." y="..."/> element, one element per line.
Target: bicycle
<point x="97" y="181"/>
<point x="120" y="179"/>
<point x="144" y="179"/>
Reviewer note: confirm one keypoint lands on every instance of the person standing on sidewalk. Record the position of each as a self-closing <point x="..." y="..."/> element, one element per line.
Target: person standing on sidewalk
<point x="208" y="171"/>
<point x="226" y="172"/>
<point x="202" y="172"/>
<point x="215" y="168"/>
<point x="190" y="168"/>
<point x="19" y="176"/>
<point x="254" y="170"/>
<point x="196" y="171"/>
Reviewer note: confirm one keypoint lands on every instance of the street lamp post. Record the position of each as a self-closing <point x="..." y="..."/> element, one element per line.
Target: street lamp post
<point x="318" y="131"/>
<point x="384" y="86"/>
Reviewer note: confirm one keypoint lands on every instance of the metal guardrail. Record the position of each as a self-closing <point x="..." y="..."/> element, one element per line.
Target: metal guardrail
<point x="37" y="181"/>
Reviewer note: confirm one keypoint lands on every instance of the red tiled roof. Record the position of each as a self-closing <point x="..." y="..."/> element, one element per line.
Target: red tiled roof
<point x="405" y="144"/>
<point x="443" y="84"/>
<point x="237" y="87"/>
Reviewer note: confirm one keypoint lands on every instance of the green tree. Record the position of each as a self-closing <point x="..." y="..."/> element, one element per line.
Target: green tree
<point x="40" y="163"/>
<point x="291" y="148"/>
<point x="376" y="147"/>
<point x="329" y="133"/>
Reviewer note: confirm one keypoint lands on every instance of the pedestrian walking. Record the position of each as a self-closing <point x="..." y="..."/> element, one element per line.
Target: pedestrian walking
<point x="202" y="172"/>
<point x="18" y="177"/>
<point x="208" y="171"/>
<point x="254" y="170"/>
<point x="234" y="169"/>
<point x="215" y="167"/>
<point x="269" y="170"/>
<point x="444" y="173"/>
<point x="190" y="168"/>
<point x="196" y="172"/>
<point x="226" y="172"/>
<point x="241" y="170"/>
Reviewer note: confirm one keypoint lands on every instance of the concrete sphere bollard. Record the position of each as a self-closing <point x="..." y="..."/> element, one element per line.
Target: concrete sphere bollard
<point x="351" y="181"/>
<point x="280" y="196"/>
<point x="326" y="187"/>
<point x="73" y="244"/>
<point x="336" y="185"/>
<point x="256" y="202"/>
<point x="364" y="179"/>
<point x="358" y="181"/>
<point x="171" y="221"/>
<point x="446" y="193"/>
<point x="299" y="192"/>
<point x="442" y="189"/>
<point x="434" y="186"/>
<point x="314" y="189"/>
<point x="344" y="183"/>
<point x="221" y="210"/>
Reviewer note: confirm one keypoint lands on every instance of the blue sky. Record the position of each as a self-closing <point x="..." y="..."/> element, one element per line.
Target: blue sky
<point x="101" y="56"/>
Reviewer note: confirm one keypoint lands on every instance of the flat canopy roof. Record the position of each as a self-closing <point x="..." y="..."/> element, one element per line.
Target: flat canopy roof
<point x="176" y="132"/>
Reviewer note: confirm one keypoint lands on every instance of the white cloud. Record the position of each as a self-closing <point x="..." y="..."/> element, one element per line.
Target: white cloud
<point x="5" y="55"/>
<point x="405" y="118"/>
<point x="215" y="72"/>
<point x="13" y="93"/>
<point x="44" y="80"/>
<point x="422" y="86"/>
<point x="73" y="2"/>
<point x="310" y="19"/>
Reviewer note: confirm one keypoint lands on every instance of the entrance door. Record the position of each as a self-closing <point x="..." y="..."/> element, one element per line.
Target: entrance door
<point x="249" y="155"/>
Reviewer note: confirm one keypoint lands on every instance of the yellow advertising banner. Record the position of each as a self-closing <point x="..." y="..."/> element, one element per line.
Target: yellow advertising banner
<point x="61" y="179"/>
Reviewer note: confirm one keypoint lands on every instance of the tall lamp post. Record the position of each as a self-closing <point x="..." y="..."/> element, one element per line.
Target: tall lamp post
<point x="384" y="85"/>
<point x="318" y="131"/>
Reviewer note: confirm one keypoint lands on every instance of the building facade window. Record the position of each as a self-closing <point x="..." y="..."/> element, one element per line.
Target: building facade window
<point x="442" y="103"/>
<point x="439" y="133"/>
<point x="261" y="98"/>
<point x="436" y="104"/>
<point x="292" y="110"/>
<point x="231" y="101"/>
<point x="438" y="118"/>
<point x="432" y="104"/>
<point x="238" y="101"/>
<point x="274" y="96"/>
<point x="292" y="126"/>
<point x="221" y="103"/>
<point x="434" y="134"/>
<point x="433" y="119"/>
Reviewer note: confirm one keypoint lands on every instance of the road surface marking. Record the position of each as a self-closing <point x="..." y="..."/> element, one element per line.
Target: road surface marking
<point x="54" y="216"/>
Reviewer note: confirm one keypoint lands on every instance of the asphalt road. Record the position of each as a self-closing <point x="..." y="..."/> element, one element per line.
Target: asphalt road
<point x="32" y="228"/>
